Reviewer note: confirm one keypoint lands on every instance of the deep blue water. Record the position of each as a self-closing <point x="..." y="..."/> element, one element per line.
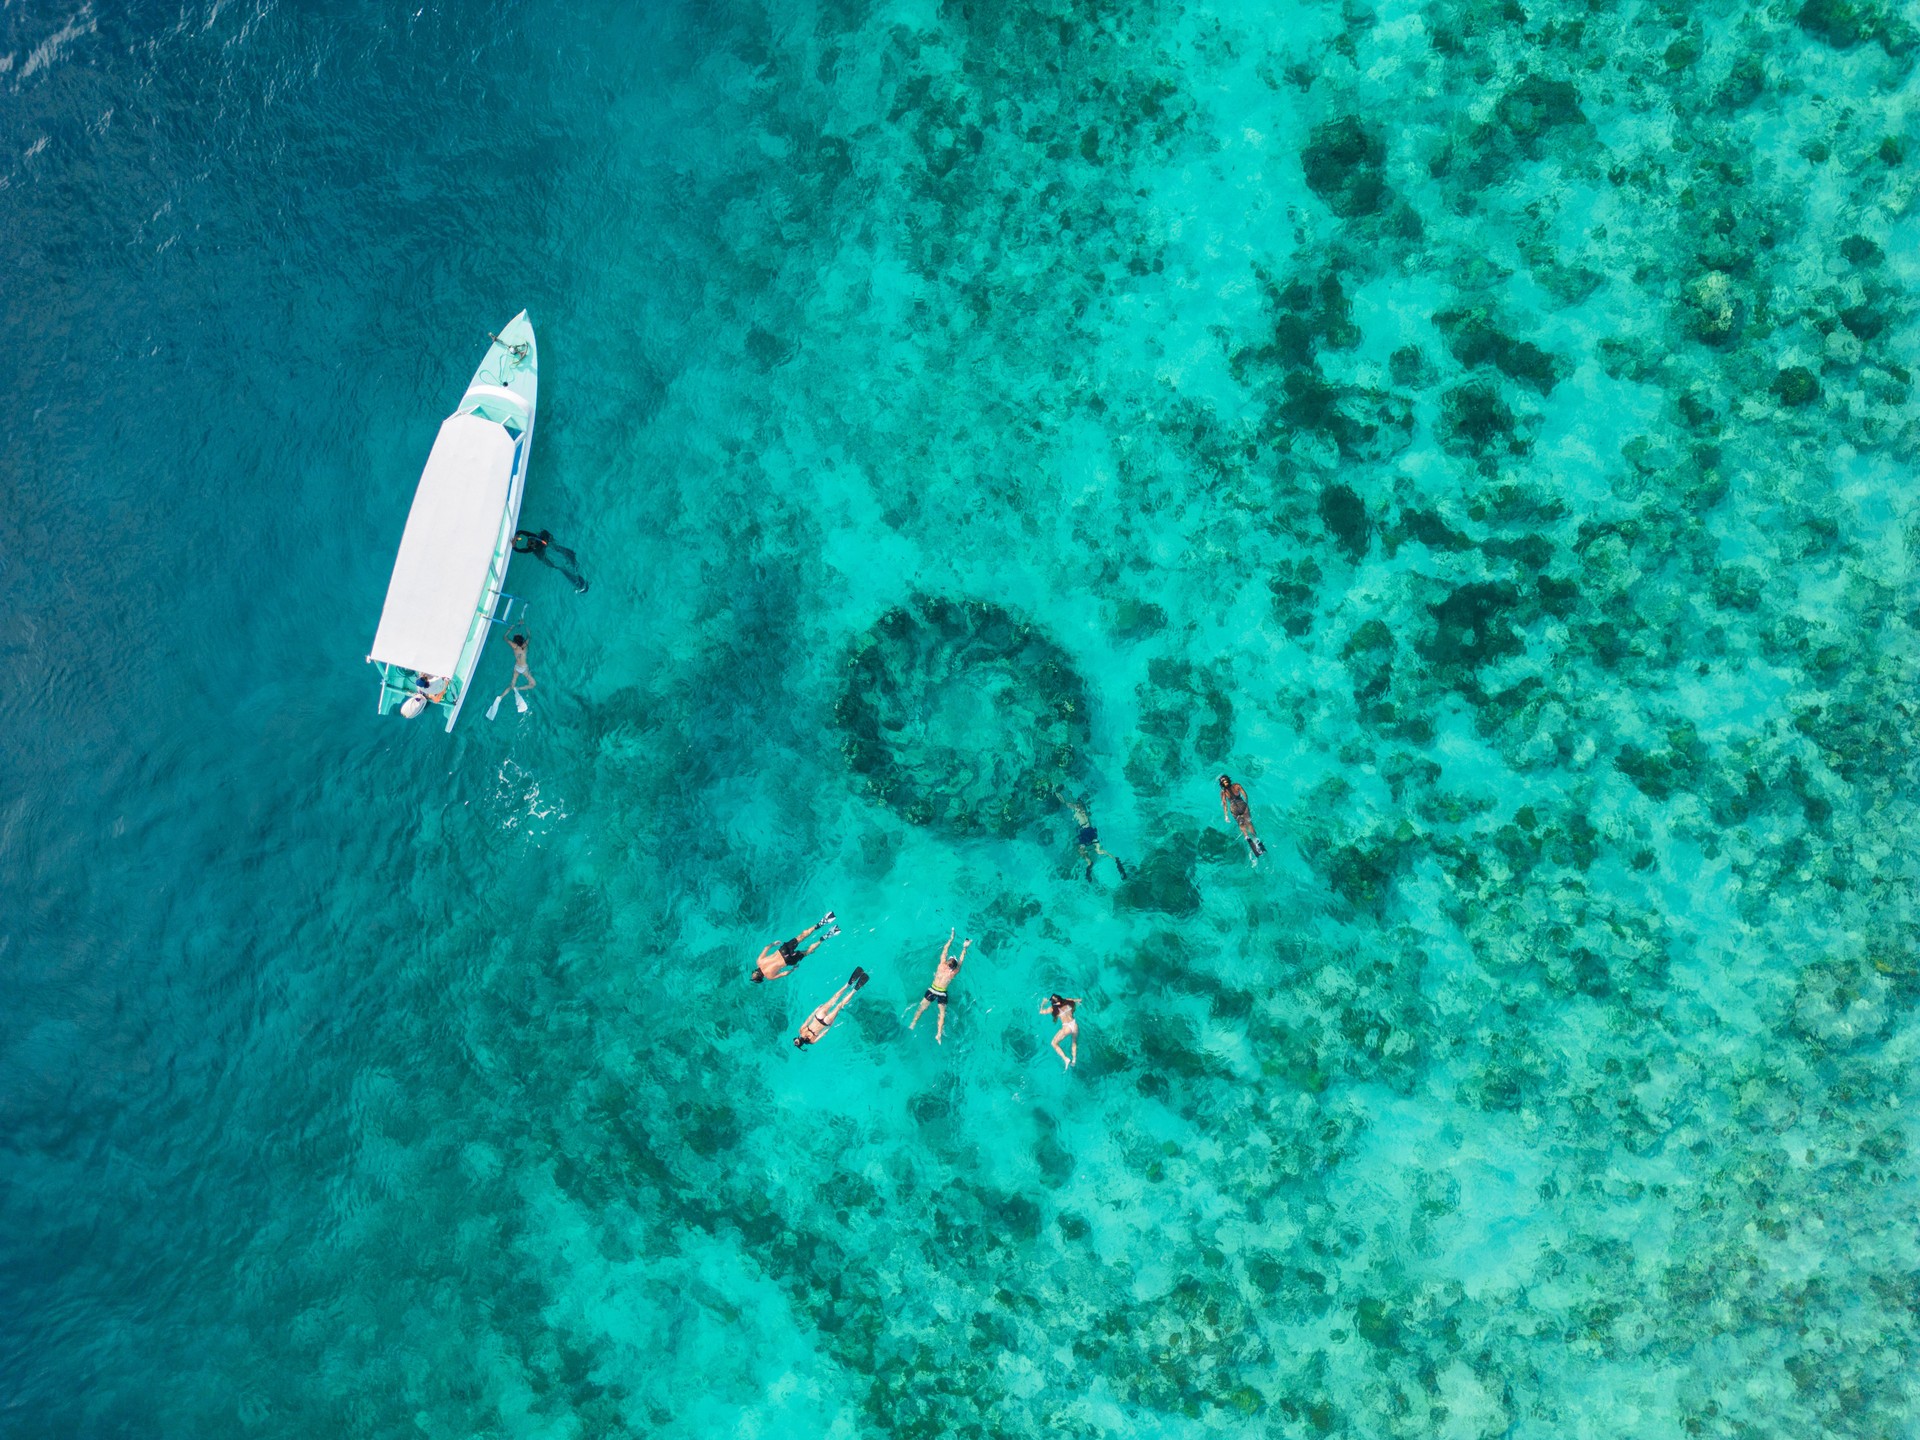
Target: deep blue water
<point x="1486" y="431"/>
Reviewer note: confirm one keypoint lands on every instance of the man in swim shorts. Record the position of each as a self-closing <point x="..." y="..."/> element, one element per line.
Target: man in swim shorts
<point x="823" y="1016"/>
<point x="776" y="962"/>
<point x="1233" y="804"/>
<point x="1089" y="838"/>
<point x="943" y="974"/>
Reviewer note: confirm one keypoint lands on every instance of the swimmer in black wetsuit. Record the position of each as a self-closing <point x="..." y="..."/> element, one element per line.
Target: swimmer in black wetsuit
<point x="542" y="547"/>
<point x="1089" y="838"/>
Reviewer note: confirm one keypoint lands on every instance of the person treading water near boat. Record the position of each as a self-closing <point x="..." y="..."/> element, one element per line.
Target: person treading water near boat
<point x="823" y="1016"/>
<point x="1061" y="1007"/>
<point x="1089" y="838"/>
<point x="518" y="644"/>
<point x="943" y="974"/>
<point x="427" y="690"/>
<point x="1233" y="804"/>
<point x="543" y="547"/>
<point x="776" y="962"/>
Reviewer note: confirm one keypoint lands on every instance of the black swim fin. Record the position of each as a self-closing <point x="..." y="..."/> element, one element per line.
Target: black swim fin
<point x="858" y="978"/>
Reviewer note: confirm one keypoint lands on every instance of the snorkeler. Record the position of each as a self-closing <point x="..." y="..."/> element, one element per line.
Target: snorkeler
<point x="1061" y="1007"/>
<point x="1089" y="838"/>
<point x="823" y="1016"/>
<point x="543" y="548"/>
<point x="943" y="974"/>
<point x="788" y="952"/>
<point x="1233" y="804"/>
<point x="518" y="644"/>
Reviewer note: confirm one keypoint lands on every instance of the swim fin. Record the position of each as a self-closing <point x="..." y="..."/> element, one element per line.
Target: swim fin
<point x="519" y="702"/>
<point x="494" y="709"/>
<point x="858" y="978"/>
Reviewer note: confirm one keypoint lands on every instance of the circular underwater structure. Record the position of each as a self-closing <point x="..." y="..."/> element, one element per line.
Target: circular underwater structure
<point x="960" y="715"/>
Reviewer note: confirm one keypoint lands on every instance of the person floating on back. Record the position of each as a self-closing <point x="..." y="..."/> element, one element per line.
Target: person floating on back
<point x="517" y="644"/>
<point x="1061" y="1007"/>
<point x="1233" y="804"/>
<point x="823" y="1016"/>
<point x="1089" y="838"/>
<point x="542" y="547"/>
<point x="776" y="962"/>
<point x="943" y="974"/>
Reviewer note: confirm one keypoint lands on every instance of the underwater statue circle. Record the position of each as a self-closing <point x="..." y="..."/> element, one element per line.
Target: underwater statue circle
<point x="960" y="715"/>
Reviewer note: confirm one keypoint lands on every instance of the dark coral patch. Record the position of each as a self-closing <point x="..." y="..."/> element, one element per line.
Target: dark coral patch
<point x="1796" y="385"/>
<point x="1345" y="515"/>
<point x="1476" y="340"/>
<point x="958" y="714"/>
<point x="1537" y="106"/>
<point x="1473" y="627"/>
<point x="1345" y="166"/>
<point x="1475" y="421"/>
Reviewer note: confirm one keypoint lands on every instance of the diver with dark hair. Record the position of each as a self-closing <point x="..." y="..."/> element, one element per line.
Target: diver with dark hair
<point x="776" y="962"/>
<point x="516" y="642"/>
<point x="823" y="1016"/>
<point x="543" y="547"/>
<point x="1233" y="804"/>
<point x="1089" y="838"/>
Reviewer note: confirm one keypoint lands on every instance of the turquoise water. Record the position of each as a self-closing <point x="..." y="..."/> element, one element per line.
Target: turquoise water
<point x="1485" y="430"/>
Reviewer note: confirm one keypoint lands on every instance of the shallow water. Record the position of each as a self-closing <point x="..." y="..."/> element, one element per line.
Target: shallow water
<point x="1484" y="430"/>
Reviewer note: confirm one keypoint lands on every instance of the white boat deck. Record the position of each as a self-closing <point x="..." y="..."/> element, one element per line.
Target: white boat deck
<point x="453" y="530"/>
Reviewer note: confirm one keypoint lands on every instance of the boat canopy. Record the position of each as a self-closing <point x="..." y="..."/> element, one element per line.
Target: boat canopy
<point x="452" y="534"/>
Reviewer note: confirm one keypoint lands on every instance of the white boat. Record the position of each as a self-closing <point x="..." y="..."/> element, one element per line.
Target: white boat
<point x="450" y="576"/>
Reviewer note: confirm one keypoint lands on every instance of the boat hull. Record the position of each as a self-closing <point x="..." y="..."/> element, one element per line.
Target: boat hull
<point x="504" y="392"/>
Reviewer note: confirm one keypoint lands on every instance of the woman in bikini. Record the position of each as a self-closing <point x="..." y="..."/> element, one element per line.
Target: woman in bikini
<point x="1233" y="804"/>
<point x="776" y="962"/>
<point x="1061" y="1007"/>
<point x="517" y="644"/>
<point x="943" y="974"/>
<point x="823" y="1016"/>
